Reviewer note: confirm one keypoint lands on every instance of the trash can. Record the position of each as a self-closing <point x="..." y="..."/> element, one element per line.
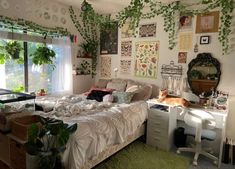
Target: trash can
<point x="179" y="137"/>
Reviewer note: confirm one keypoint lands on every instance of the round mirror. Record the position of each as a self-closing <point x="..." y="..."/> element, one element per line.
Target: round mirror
<point x="203" y="74"/>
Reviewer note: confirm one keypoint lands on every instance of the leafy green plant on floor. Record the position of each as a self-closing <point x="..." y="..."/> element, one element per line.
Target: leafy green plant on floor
<point x="47" y="141"/>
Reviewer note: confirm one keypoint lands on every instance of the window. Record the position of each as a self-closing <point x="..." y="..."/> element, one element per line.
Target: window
<point x="13" y="75"/>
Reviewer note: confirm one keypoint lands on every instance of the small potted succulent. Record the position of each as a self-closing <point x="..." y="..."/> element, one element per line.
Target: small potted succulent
<point x="13" y="48"/>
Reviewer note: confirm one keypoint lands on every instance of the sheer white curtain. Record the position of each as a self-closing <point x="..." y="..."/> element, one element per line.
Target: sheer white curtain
<point x="62" y="75"/>
<point x="2" y="76"/>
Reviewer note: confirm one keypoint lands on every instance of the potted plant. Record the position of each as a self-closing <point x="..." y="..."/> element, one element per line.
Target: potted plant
<point x="47" y="140"/>
<point x="88" y="49"/>
<point x="43" y="55"/>
<point x="13" y="48"/>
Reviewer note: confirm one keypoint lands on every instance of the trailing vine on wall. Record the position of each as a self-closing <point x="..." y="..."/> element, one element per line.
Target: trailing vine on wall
<point x="134" y="12"/>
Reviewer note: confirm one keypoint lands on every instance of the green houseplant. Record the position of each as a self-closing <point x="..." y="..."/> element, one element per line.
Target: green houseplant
<point x="43" y="55"/>
<point x="13" y="48"/>
<point x="47" y="141"/>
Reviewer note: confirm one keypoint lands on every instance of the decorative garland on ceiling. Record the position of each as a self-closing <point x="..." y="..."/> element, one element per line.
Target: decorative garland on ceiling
<point x="22" y="24"/>
<point x="170" y="12"/>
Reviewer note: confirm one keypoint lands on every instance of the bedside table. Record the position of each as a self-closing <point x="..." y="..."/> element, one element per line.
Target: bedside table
<point x="161" y="124"/>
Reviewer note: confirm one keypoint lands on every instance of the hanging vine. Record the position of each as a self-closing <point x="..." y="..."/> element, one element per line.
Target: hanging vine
<point x="170" y="12"/>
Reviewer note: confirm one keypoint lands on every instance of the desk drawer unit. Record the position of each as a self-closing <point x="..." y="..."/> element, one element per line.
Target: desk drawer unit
<point x="160" y="128"/>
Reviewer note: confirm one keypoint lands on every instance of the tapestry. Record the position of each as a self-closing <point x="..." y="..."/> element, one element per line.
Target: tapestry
<point x="105" y="71"/>
<point x="126" y="32"/>
<point x="126" y="48"/>
<point x="109" y="40"/>
<point x="146" y="59"/>
<point x="125" y="67"/>
<point x="147" y="30"/>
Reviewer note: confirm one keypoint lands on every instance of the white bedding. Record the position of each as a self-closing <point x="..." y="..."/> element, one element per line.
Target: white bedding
<point x="99" y="125"/>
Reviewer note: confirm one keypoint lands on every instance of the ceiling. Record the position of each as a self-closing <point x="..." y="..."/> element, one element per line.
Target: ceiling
<point x="103" y="6"/>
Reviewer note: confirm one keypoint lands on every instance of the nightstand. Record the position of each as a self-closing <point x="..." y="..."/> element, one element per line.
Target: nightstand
<point x="161" y="125"/>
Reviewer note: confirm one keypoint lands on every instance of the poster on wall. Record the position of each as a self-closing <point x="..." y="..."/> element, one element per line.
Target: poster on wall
<point x="185" y="22"/>
<point x="125" y="67"/>
<point x="185" y="41"/>
<point x="109" y="40"/>
<point x="126" y="49"/>
<point x="126" y="32"/>
<point x="147" y="30"/>
<point x="182" y="57"/>
<point x="105" y="70"/>
<point x="146" y="59"/>
<point x="208" y="22"/>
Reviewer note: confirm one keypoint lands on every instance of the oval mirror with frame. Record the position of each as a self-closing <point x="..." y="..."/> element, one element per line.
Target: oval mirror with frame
<point x="203" y="74"/>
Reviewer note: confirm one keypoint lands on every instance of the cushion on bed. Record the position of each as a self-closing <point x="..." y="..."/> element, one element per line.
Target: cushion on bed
<point x="102" y="83"/>
<point x="108" y="98"/>
<point x="132" y="86"/>
<point x="97" y="95"/>
<point x="144" y="93"/>
<point x="122" y="97"/>
<point x="121" y="87"/>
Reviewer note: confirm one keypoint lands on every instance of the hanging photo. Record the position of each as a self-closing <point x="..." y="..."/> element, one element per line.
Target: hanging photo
<point x="204" y="40"/>
<point x="185" y="22"/>
<point x="147" y="30"/>
<point x="208" y="22"/>
<point x="105" y="63"/>
<point x="182" y="57"/>
<point x="125" y="67"/>
<point x="109" y="40"/>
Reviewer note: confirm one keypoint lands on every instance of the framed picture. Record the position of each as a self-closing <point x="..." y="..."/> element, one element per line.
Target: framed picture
<point x="109" y="41"/>
<point x="204" y="40"/>
<point x="208" y="22"/>
<point x="185" y="22"/>
<point x="147" y="30"/>
<point x="182" y="57"/>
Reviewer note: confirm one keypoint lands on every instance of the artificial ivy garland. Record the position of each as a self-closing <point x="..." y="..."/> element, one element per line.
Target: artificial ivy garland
<point x="22" y="24"/>
<point x="170" y="12"/>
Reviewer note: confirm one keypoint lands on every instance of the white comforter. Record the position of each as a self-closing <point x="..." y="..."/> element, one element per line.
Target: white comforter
<point x="99" y="125"/>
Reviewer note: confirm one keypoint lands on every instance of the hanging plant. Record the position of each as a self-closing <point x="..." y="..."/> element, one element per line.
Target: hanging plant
<point x="13" y="48"/>
<point x="43" y="55"/>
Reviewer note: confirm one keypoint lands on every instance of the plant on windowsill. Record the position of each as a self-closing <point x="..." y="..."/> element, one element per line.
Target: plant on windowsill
<point x="47" y="141"/>
<point x="43" y="55"/>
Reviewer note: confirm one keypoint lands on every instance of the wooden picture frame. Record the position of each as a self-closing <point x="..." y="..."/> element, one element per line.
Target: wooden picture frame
<point x="207" y="23"/>
<point x="204" y="40"/>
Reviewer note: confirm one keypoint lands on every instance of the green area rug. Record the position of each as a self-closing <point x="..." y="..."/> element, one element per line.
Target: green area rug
<point x="141" y="156"/>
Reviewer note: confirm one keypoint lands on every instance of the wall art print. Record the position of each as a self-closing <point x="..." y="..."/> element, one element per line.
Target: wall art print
<point x="208" y="22"/>
<point x="146" y="59"/>
<point x="147" y="30"/>
<point x="182" y="57"/>
<point x="185" y="41"/>
<point x="105" y="70"/>
<point x="126" y="32"/>
<point x="109" y="41"/>
<point x="185" y="22"/>
<point x="126" y="48"/>
<point x="125" y="67"/>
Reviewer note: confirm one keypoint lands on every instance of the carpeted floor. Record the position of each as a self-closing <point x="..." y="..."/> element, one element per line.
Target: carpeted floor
<point x="141" y="156"/>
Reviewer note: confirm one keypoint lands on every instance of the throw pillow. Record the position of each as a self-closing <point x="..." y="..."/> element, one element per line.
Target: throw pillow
<point x="122" y="97"/>
<point x="117" y="86"/>
<point x="144" y="93"/>
<point x="108" y="98"/>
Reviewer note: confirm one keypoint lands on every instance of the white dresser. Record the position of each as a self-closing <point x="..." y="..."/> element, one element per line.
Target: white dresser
<point x="161" y="125"/>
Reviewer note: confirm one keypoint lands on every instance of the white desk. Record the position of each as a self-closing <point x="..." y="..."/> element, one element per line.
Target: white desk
<point x="219" y="115"/>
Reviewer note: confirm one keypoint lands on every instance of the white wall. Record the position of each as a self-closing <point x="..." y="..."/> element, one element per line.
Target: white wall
<point x="227" y="82"/>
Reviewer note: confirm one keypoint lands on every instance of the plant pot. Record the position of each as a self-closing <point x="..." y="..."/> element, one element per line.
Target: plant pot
<point x="87" y="55"/>
<point x="16" y="55"/>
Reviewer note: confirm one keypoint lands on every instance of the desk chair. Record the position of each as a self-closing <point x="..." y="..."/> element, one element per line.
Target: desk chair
<point x="202" y="123"/>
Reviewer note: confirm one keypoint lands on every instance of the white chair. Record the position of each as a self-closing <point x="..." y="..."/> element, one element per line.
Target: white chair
<point x="202" y="123"/>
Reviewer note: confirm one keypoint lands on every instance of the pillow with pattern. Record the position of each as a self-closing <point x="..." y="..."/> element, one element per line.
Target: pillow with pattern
<point x="122" y="97"/>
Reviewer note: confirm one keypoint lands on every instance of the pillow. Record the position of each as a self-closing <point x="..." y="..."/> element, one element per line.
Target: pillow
<point x="108" y="98"/>
<point x="144" y="93"/>
<point x="122" y="97"/>
<point x="102" y="83"/>
<point x="132" y="86"/>
<point x="117" y="86"/>
<point x="97" y="88"/>
<point x="97" y="95"/>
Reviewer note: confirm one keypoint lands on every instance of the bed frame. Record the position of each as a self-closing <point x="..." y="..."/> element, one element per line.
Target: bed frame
<point x="109" y="151"/>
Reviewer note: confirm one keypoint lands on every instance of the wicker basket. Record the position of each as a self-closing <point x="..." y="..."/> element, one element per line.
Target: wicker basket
<point x="20" y="126"/>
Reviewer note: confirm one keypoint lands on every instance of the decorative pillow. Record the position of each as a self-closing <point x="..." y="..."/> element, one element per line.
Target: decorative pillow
<point x="144" y="93"/>
<point x="100" y="89"/>
<point x="97" y="95"/>
<point x="122" y="97"/>
<point x="120" y="87"/>
<point x="132" y="86"/>
<point x="108" y="98"/>
<point x="102" y="83"/>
